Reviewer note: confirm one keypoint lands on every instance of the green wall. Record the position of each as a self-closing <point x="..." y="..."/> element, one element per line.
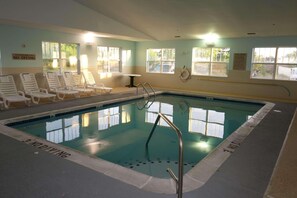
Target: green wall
<point x="25" y="40"/>
<point x="237" y="45"/>
<point x="14" y="39"/>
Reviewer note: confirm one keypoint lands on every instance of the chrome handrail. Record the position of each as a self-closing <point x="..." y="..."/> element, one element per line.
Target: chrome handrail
<point x="141" y="84"/>
<point x="146" y="104"/>
<point x="145" y="89"/>
<point x="146" y="83"/>
<point x="179" y="180"/>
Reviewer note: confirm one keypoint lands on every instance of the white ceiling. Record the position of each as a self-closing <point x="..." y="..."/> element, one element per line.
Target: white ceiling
<point x="165" y="19"/>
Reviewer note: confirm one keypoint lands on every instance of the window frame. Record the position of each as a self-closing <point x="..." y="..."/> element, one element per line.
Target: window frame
<point x="108" y="60"/>
<point x="161" y="61"/>
<point x="275" y="64"/>
<point x="210" y="62"/>
<point x="58" y="57"/>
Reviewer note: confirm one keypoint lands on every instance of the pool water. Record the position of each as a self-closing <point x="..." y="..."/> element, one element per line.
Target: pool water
<point x="118" y="132"/>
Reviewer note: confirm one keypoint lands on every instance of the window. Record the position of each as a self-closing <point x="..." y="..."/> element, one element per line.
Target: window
<point x="210" y="61"/>
<point x="279" y="63"/>
<point x="59" y="56"/>
<point x="160" y="60"/>
<point x="108" y="59"/>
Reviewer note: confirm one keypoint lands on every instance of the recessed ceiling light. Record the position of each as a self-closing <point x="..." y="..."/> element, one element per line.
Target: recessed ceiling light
<point x="210" y="39"/>
<point x="89" y="37"/>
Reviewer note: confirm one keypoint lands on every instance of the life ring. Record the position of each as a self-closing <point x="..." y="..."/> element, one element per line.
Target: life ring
<point x="185" y="74"/>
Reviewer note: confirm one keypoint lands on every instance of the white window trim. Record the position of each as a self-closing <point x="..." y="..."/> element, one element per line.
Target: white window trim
<point x="210" y="62"/>
<point x="161" y="62"/>
<point x="274" y="65"/>
<point x="120" y="59"/>
<point x="60" y="55"/>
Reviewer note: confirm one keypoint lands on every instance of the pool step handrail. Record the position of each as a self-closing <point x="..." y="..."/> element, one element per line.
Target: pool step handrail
<point x="146" y="105"/>
<point x="178" y="180"/>
<point x="143" y="85"/>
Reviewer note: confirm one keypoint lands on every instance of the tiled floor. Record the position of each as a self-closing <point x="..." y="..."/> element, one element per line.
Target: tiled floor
<point x="26" y="171"/>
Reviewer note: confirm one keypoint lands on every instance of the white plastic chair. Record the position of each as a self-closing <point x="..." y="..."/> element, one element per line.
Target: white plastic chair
<point x="9" y="92"/>
<point x="73" y="83"/>
<point x="56" y="87"/>
<point x="91" y="83"/>
<point x="32" y="89"/>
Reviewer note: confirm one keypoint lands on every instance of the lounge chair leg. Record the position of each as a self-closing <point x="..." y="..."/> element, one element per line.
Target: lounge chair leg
<point x="60" y="97"/>
<point x="28" y="102"/>
<point x="34" y="100"/>
<point x="6" y="104"/>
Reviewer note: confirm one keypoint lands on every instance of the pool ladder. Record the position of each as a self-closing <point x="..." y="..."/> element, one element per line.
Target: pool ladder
<point x="179" y="180"/>
<point x="143" y="85"/>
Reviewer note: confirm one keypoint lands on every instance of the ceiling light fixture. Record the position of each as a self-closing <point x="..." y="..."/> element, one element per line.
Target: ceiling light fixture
<point x="210" y="39"/>
<point x="89" y="38"/>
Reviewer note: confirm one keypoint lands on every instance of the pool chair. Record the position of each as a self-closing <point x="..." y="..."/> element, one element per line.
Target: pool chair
<point x="9" y="93"/>
<point x="56" y="87"/>
<point x="90" y="82"/>
<point x="31" y="88"/>
<point x="1" y="105"/>
<point x="73" y="82"/>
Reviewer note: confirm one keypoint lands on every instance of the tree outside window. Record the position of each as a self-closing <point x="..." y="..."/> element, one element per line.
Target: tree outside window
<point x="210" y="61"/>
<point x="276" y="63"/>
<point x="108" y="59"/>
<point x="160" y="60"/>
<point x="60" y="57"/>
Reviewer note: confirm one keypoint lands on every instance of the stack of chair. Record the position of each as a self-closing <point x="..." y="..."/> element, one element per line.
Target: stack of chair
<point x="74" y="83"/>
<point x="91" y="83"/>
<point x="55" y="86"/>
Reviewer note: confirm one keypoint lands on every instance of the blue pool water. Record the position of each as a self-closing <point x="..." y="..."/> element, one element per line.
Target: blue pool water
<point x="118" y="132"/>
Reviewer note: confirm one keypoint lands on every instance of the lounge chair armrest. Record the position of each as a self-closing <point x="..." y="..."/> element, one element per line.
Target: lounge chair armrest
<point x="21" y="93"/>
<point x="53" y="89"/>
<point x="43" y="90"/>
<point x="69" y="87"/>
<point x="101" y="85"/>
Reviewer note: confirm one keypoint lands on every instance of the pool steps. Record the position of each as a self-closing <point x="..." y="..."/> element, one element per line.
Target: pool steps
<point x="178" y="180"/>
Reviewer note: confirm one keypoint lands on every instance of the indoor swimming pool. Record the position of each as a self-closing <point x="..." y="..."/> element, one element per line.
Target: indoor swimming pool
<point x="109" y="135"/>
<point x="118" y="132"/>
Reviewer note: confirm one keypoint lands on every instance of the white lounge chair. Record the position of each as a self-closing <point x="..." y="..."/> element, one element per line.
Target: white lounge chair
<point x="32" y="89"/>
<point x="73" y="83"/>
<point x="1" y="105"/>
<point x="91" y="83"/>
<point x="56" y="87"/>
<point x="9" y="92"/>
